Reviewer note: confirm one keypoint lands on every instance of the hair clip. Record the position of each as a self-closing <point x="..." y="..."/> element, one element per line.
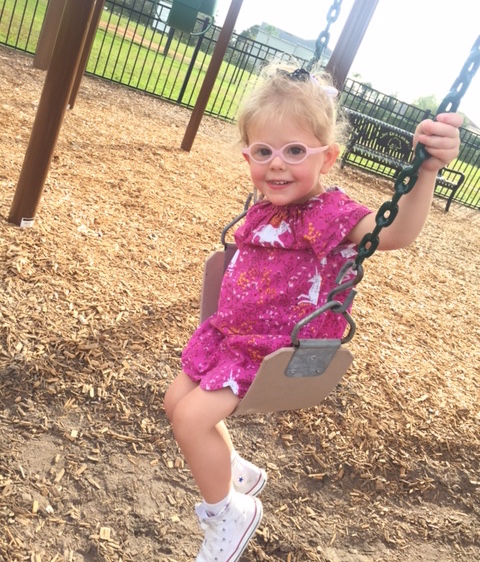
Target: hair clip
<point x="302" y="75"/>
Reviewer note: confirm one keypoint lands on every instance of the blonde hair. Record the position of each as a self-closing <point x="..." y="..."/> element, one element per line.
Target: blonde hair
<point x="303" y="97"/>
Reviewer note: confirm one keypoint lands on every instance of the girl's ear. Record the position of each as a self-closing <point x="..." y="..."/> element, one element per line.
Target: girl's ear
<point x="247" y="157"/>
<point x="330" y="157"/>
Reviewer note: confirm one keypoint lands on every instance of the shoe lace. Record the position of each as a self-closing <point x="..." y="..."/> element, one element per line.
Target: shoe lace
<point x="213" y="529"/>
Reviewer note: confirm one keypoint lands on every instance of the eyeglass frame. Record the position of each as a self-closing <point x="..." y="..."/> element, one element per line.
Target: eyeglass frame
<point x="247" y="151"/>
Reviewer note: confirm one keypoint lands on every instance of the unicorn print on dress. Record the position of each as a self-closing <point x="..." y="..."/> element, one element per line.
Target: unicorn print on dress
<point x="349" y="251"/>
<point x="314" y="291"/>
<point x="268" y="234"/>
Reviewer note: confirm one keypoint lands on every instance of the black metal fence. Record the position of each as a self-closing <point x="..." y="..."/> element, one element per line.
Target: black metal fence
<point x="371" y="102"/>
<point x="135" y="47"/>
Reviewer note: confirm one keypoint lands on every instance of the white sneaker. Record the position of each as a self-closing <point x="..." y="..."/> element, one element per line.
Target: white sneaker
<point x="227" y="534"/>
<point x="247" y="478"/>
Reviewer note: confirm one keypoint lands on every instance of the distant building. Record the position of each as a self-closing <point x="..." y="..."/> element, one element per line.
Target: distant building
<point x="289" y="43"/>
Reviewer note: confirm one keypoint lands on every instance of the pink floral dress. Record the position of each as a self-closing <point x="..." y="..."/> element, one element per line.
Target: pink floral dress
<point x="287" y="262"/>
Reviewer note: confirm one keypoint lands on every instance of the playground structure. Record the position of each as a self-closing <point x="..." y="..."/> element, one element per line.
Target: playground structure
<point x="102" y="294"/>
<point x="73" y="25"/>
<point x="63" y="67"/>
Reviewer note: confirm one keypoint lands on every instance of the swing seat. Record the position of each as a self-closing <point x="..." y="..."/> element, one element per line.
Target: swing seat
<point x="276" y="389"/>
<point x="213" y="271"/>
<point x="290" y="378"/>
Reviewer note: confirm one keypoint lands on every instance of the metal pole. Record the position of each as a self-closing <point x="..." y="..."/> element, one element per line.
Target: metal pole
<point x="51" y="110"/>
<point x="349" y="41"/>
<point x="211" y="75"/>
<point x="171" y="33"/>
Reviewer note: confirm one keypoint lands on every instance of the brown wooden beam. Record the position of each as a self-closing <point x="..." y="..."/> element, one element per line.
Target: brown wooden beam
<point x="349" y="41"/>
<point x="48" y="34"/>
<point x="51" y="110"/>
<point x="87" y="48"/>
<point x="211" y="74"/>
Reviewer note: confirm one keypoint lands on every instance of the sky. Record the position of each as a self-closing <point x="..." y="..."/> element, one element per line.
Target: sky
<point x="412" y="48"/>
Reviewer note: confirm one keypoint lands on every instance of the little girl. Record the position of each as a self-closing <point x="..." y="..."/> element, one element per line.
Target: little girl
<point x="297" y="237"/>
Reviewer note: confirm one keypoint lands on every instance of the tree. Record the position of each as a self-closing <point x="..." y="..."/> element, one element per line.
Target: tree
<point x="271" y="30"/>
<point x="141" y="11"/>
<point x="251" y="32"/>
<point x="427" y="102"/>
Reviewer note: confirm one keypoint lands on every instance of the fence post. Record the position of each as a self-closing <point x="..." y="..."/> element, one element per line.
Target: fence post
<point x="193" y="60"/>
<point x="51" y="110"/>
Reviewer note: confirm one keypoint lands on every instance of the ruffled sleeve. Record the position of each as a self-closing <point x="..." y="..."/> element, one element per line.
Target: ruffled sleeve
<point x="329" y="219"/>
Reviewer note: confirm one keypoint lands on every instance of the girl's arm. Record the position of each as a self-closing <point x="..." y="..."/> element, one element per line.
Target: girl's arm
<point x="442" y="141"/>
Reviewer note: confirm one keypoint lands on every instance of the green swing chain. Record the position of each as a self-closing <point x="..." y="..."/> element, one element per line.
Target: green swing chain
<point x="404" y="183"/>
<point x="322" y="40"/>
<point x="407" y="178"/>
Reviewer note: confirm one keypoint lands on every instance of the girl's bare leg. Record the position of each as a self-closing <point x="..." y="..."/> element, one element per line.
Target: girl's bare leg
<point x="223" y="430"/>
<point x="197" y="420"/>
<point x="179" y="388"/>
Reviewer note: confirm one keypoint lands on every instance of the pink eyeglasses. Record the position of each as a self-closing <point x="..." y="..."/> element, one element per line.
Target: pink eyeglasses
<point x="291" y="153"/>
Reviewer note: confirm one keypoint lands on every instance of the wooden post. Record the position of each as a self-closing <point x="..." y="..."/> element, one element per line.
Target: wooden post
<point x="211" y="74"/>
<point x="48" y="34"/>
<point x="51" y="110"/>
<point x="349" y="41"/>
<point x="92" y="30"/>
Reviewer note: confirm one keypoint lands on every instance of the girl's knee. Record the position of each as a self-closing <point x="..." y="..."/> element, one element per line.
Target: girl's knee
<point x="178" y="389"/>
<point x="185" y="422"/>
<point x="179" y="409"/>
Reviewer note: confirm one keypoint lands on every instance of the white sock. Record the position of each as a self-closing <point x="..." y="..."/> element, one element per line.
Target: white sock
<point x="214" y="509"/>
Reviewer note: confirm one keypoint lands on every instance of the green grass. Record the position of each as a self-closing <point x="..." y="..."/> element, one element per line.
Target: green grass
<point x="14" y="31"/>
<point x="471" y="195"/>
<point x="144" y="67"/>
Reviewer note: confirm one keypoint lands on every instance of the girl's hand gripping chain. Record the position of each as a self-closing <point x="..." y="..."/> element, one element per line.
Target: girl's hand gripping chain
<point x="441" y="139"/>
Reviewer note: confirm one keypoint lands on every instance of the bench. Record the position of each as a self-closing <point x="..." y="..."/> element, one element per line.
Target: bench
<point x="385" y="150"/>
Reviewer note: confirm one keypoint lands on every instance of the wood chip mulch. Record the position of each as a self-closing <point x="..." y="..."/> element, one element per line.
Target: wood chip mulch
<point x="98" y="300"/>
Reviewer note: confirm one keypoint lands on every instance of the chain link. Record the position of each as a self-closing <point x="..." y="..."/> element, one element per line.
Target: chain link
<point x="408" y="176"/>
<point x="324" y="37"/>
<point x="386" y="214"/>
<point x="452" y="99"/>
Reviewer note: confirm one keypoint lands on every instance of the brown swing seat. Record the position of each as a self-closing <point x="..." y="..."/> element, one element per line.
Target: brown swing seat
<point x="290" y="378"/>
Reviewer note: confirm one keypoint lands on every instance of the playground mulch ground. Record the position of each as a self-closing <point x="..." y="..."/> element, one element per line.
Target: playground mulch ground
<point x="98" y="299"/>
